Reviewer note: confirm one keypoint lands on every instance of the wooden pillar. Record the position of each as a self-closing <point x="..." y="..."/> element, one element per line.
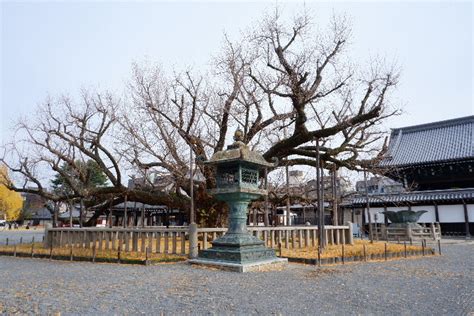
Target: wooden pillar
<point x="466" y="220"/>
<point x="143" y="241"/>
<point x="300" y="238"/>
<point x="167" y="242"/>
<point x="158" y="242"/>
<point x="436" y="212"/>
<point x="293" y="239"/>
<point x="183" y="243"/>
<point x="174" y="242"/>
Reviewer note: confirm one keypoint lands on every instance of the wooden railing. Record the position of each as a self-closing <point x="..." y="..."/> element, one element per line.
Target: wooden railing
<point x="430" y="231"/>
<point x="289" y="236"/>
<point x="173" y="240"/>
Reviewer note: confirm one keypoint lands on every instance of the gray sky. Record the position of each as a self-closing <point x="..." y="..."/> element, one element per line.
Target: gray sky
<point x="56" y="47"/>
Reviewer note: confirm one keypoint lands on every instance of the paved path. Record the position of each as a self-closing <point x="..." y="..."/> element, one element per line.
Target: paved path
<point x="429" y="286"/>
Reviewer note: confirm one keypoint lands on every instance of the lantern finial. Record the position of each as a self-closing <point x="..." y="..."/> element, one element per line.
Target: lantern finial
<point x="239" y="135"/>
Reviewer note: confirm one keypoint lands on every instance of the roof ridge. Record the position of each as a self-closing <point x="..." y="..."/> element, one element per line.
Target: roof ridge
<point x="433" y="125"/>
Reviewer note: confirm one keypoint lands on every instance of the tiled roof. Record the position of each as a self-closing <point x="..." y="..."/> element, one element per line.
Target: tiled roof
<point x="430" y="143"/>
<point x="453" y="195"/>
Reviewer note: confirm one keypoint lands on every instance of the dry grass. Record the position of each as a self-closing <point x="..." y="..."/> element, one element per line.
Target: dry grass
<point x="107" y="255"/>
<point x="333" y="251"/>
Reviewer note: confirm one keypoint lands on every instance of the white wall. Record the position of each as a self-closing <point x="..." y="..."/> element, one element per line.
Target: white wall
<point x="429" y="217"/>
<point x="447" y="213"/>
<point x="373" y="211"/>
<point x="470" y="213"/>
<point x="451" y="213"/>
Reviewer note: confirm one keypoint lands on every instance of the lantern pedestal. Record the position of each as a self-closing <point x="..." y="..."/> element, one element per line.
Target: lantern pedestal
<point x="237" y="250"/>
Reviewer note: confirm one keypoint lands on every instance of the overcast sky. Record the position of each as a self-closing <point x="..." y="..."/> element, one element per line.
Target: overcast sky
<point x="55" y="47"/>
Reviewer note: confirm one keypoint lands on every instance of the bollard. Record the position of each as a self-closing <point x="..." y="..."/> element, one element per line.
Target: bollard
<point x="146" y="255"/>
<point x="70" y="254"/>
<point x="193" y="241"/>
<point x="439" y="247"/>
<point x="32" y="249"/>
<point x="385" y="252"/>
<point x="405" y="248"/>
<point x="422" y="248"/>
<point x="6" y="243"/>
<point x="51" y="251"/>
<point x="365" y="253"/>
<point x="279" y="249"/>
<point x="21" y="240"/>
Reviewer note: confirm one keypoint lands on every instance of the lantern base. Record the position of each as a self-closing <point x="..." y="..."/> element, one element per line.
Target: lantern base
<point x="237" y="249"/>
<point x="264" y="265"/>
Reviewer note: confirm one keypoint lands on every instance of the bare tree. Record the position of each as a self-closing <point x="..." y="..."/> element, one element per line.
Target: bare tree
<point x="278" y="76"/>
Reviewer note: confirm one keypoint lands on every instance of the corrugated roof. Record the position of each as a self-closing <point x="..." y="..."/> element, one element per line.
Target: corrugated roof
<point x="454" y="195"/>
<point x="430" y="143"/>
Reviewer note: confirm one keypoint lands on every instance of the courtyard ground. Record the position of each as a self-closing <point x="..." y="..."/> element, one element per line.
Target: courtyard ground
<point x="426" y="286"/>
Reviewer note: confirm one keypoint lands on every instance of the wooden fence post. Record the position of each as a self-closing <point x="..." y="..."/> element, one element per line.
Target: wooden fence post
<point x="93" y="252"/>
<point x="146" y="255"/>
<point x="32" y="247"/>
<point x="319" y="255"/>
<point x="342" y="253"/>
<point x="183" y="243"/>
<point x="119" y="254"/>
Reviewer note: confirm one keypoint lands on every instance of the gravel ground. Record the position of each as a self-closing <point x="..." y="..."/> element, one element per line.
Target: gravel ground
<point x="432" y="285"/>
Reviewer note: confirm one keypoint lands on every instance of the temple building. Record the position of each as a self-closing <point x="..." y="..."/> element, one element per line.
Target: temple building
<point x="435" y="164"/>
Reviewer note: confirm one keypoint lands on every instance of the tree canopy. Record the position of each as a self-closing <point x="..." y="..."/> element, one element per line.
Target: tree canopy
<point x="11" y="202"/>
<point x="79" y="176"/>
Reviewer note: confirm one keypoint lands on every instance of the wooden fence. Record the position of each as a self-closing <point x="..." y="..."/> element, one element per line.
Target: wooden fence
<point x="432" y="231"/>
<point x="174" y="240"/>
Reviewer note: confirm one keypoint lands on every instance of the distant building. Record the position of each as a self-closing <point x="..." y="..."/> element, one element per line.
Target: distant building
<point x="435" y="162"/>
<point x="34" y="209"/>
<point x="379" y="185"/>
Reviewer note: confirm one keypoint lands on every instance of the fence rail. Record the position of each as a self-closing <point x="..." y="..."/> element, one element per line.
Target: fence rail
<point x="173" y="240"/>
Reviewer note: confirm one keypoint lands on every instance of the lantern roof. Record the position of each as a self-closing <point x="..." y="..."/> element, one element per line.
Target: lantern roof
<point x="239" y="152"/>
